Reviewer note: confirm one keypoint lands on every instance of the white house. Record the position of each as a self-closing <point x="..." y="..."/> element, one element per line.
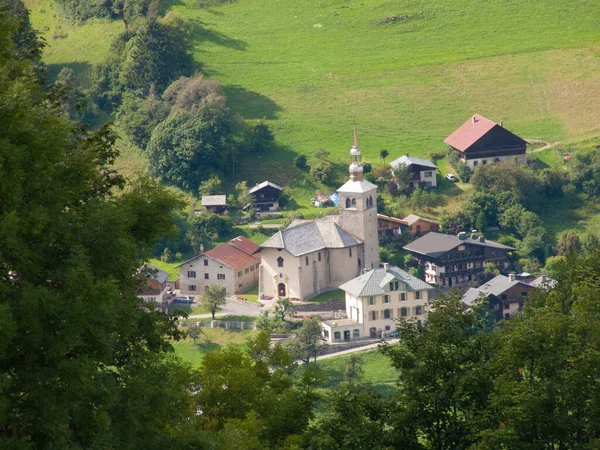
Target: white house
<point x="422" y="170"/>
<point x="374" y="300"/>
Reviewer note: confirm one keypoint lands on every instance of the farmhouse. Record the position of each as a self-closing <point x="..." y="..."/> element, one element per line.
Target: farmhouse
<point x="417" y="225"/>
<point x="312" y="256"/>
<point x="388" y="227"/>
<point x="154" y="284"/>
<point x="422" y="171"/>
<point x="481" y="141"/>
<point x="505" y="295"/>
<point x="214" y="203"/>
<point x="266" y="196"/>
<point x="374" y="300"/>
<point x="455" y="260"/>
<point x="232" y="265"/>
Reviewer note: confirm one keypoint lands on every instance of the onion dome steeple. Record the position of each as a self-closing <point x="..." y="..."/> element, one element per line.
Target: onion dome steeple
<point x="356" y="167"/>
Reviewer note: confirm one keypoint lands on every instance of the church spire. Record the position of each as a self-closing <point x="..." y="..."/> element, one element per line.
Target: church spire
<point x="356" y="168"/>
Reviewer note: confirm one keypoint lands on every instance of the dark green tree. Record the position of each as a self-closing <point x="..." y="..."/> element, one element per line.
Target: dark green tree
<point x="383" y="153"/>
<point x="568" y="243"/>
<point x="213" y="298"/>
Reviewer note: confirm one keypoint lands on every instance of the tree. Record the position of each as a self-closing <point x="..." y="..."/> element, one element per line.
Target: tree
<point x="590" y="243"/>
<point x="138" y="118"/>
<point x="320" y="167"/>
<point x="258" y="137"/>
<point x="481" y="222"/>
<point x="194" y="331"/>
<point x="212" y="186"/>
<point x="284" y="308"/>
<point x="353" y="370"/>
<point x="568" y="243"/>
<point x="243" y="197"/>
<point x="186" y="149"/>
<point x="308" y="341"/>
<point x="367" y="168"/>
<point x="383" y="153"/>
<point x="443" y="380"/>
<point x="213" y="298"/>
<point x="402" y="175"/>
<point x="77" y="345"/>
<point x="301" y="162"/>
<point x="584" y="171"/>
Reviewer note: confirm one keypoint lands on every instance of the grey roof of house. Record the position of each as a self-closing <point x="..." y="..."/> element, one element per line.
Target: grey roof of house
<point x="309" y="236"/>
<point x="436" y="244"/>
<point x="543" y="282"/>
<point x="410" y="160"/>
<point x="155" y="273"/>
<point x="412" y="218"/>
<point x="375" y="282"/>
<point x="264" y="184"/>
<point x="471" y="295"/>
<point x="214" y="200"/>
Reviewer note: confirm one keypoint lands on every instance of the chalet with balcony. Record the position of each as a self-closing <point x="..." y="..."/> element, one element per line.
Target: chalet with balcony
<point x="479" y="141"/>
<point x="455" y="260"/>
<point x="266" y="196"/>
<point x="422" y="170"/>
<point x="418" y="226"/>
<point x="388" y="227"/>
<point x="506" y="295"/>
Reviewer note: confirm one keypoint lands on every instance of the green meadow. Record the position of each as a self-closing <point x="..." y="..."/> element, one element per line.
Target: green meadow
<point x="409" y="71"/>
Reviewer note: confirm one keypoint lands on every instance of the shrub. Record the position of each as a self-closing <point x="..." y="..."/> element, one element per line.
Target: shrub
<point x="301" y="162"/>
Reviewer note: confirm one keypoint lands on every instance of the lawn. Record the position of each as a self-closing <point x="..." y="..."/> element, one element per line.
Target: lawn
<point x="377" y="371"/>
<point x="211" y="339"/>
<point x="335" y="294"/>
<point x="170" y="268"/>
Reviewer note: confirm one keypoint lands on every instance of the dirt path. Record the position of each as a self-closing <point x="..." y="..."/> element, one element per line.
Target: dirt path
<point x="545" y="147"/>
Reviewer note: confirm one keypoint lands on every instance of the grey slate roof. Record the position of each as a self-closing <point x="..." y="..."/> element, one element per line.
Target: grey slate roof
<point x="499" y="284"/>
<point x="543" y="282"/>
<point x="214" y="200"/>
<point x="264" y="184"/>
<point x="155" y="273"/>
<point x="357" y="187"/>
<point x="410" y="160"/>
<point x="309" y="236"/>
<point x="471" y="295"/>
<point x="436" y="244"/>
<point x="375" y="282"/>
<point x="412" y="218"/>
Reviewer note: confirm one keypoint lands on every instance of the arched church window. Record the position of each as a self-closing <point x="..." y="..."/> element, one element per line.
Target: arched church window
<point x="353" y="202"/>
<point x="370" y="201"/>
<point x="348" y="202"/>
<point x="280" y="262"/>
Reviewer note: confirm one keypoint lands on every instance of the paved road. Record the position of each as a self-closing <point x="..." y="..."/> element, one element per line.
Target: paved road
<point x="232" y="308"/>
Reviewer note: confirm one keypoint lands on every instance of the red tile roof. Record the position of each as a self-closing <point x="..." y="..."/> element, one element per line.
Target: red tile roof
<point x="469" y="132"/>
<point x="235" y="253"/>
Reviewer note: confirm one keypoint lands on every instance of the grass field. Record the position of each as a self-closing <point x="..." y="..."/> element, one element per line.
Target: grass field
<point x="377" y="371"/>
<point x="211" y="339"/>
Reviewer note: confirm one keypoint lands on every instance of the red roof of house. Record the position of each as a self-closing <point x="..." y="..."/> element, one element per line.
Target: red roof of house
<point x="235" y="253"/>
<point x="469" y="132"/>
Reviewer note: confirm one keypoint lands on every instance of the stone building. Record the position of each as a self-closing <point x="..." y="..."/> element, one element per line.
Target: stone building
<point x="233" y="265"/>
<point x="312" y="256"/>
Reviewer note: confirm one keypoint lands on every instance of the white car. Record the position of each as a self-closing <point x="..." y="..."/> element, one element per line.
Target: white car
<point x="451" y="177"/>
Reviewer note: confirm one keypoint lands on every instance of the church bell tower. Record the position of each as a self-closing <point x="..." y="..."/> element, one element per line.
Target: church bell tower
<point x="358" y="208"/>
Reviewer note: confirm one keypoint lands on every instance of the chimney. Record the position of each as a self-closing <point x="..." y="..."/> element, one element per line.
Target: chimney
<point x="201" y="248"/>
<point x="386" y="266"/>
<point x="462" y="235"/>
<point x="502" y="124"/>
<point x="473" y="232"/>
<point x="511" y="277"/>
<point x="543" y="278"/>
<point x="474" y="119"/>
<point x="481" y="239"/>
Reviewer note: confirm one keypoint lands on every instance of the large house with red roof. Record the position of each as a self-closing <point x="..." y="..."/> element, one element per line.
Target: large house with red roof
<point x="480" y="141"/>
<point x="233" y="265"/>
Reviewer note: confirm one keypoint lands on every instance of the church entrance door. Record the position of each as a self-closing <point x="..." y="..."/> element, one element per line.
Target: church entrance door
<point x="281" y="290"/>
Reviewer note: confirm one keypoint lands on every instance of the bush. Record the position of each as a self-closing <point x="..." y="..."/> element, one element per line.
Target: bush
<point x="463" y="172"/>
<point x="367" y="167"/>
<point x="301" y="162"/>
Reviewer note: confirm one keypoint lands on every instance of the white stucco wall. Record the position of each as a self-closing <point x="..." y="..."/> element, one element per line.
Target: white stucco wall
<point x="521" y="159"/>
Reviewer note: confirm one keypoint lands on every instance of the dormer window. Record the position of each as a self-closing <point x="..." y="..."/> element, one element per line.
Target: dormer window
<point x="280" y="262"/>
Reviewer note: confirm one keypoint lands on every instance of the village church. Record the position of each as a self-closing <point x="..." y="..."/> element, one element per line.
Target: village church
<point x="312" y="256"/>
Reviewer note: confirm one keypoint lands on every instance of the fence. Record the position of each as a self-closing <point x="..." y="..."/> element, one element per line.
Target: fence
<point x="227" y="324"/>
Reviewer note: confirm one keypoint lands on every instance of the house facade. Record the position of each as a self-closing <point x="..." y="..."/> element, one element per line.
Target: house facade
<point x="232" y="265"/>
<point x="389" y="227"/>
<point x="154" y="285"/>
<point x="422" y="171"/>
<point x="455" y="260"/>
<point x="266" y="196"/>
<point x="375" y="300"/>
<point x="312" y="256"/>
<point x="480" y="141"/>
<point x="505" y="295"/>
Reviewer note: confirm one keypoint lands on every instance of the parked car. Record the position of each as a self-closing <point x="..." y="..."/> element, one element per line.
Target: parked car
<point x="451" y="177"/>
<point x="184" y="300"/>
<point x="393" y="334"/>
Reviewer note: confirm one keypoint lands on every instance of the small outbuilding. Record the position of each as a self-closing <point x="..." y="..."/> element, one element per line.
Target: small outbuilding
<point x="266" y="196"/>
<point x="215" y="203"/>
